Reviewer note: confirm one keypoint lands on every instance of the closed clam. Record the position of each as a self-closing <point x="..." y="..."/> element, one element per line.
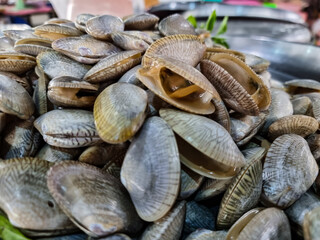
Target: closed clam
<point x="105" y="206"/>
<point x="14" y="99"/>
<point x="311" y="224"/>
<point x="72" y="92"/>
<point x="101" y="27"/>
<point x="141" y="35"/>
<point x="214" y="50"/>
<point x="257" y="63"/>
<point x="211" y="188"/>
<point x="23" y="81"/>
<point x="84" y="49"/>
<point x="6" y="44"/>
<point x="40" y="93"/>
<point x="82" y="20"/>
<point x="298" y="86"/>
<point x="175" y="24"/>
<point x="16" y="62"/>
<point x="314" y="144"/>
<point x="204" y="146"/>
<point x="19" y="34"/>
<point x="295" y="124"/>
<point x="169" y="227"/>
<point x="130" y="77"/>
<point x="244" y="191"/>
<point x="32" y="46"/>
<point x="25" y="197"/>
<point x="151" y="170"/>
<point x="57" y="154"/>
<point x="289" y="171"/>
<point x="119" y="112"/>
<point x="114" y="66"/>
<point x="301" y="106"/>
<point x="55" y="64"/>
<point x="56" y="31"/>
<point x="142" y="21"/>
<point x="68" y="128"/>
<point x="205" y="234"/>
<point x="128" y="42"/>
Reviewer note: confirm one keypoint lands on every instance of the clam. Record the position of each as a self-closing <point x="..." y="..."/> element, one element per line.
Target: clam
<point x="214" y="50"/>
<point x="32" y="46"/>
<point x="142" y="21"/>
<point x="56" y="31"/>
<point x="211" y="188"/>
<point x="244" y="191"/>
<point x="311" y="224"/>
<point x="301" y="106"/>
<point x="14" y="99"/>
<point x="266" y="78"/>
<point x="25" y="197"/>
<point x="55" y="64"/>
<point x="151" y="170"/>
<point x="6" y="44"/>
<point x="57" y="21"/>
<point x="71" y="92"/>
<point x="114" y="66"/>
<point x="240" y="88"/>
<point x="289" y="171"/>
<point x="141" y="35"/>
<point x="297" y="212"/>
<point x="298" y="86"/>
<point x="95" y="155"/>
<point x="130" y="77"/>
<point x="314" y="144"/>
<point x="205" y="234"/>
<point x="314" y="96"/>
<point x="57" y="154"/>
<point x="179" y="84"/>
<point x="316" y="110"/>
<point x="183" y="47"/>
<point x="101" y="27"/>
<point x="169" y="227"/>
<point x="128" y="42"/>
<point x="94" y="200"/>
<point x="258" y="64"/>
<point x="19" y="34"/>
<point x="117" y="236"/>
<point x="294" y="124"/>
<point x="82" y="20"/>
<point x="119" y="112"/>
<point x="40" y="93"/>
<point x="68" y="128"/>
<point x="221" y="114"/>
<point x="16" y="62"/>
<point x="175" y="24"/>
<point x="204" y="146"/>
<point x="23" y="81"/>
<point x="190" y="182"/>
<point x="263" y="224"/>
<point x="84" y="49"/>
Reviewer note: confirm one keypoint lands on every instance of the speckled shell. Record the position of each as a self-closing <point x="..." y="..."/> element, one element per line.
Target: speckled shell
<point x="289" y="171"/>
<point x="169" y="227"/>
<point x="183" y="47"/>
<point x="175" y="24"/>
<point x="244" y="191"/>
<point x="56" y="31"/>
<point x="114" y="66"/>
<point x="101" y="27"/>
<point x="151" y="170"/>
<point x="16" y="62"/>
<point x="105" y="205"/>
<point x="25" y="197"/>
<point x="119" y="111"/>
<point x="294" y="124"/>
<point x="142" y="21"/>
<point x="204" y="145"/>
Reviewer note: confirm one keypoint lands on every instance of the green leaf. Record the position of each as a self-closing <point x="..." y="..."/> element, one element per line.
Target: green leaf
<point x="202" y="25"/>
<point x="211" y="21"/>
<point x="193" y="21"/>
<point x="221" y="41"/>
<point x="8" y="232"/>
<point x="223" y="26"/>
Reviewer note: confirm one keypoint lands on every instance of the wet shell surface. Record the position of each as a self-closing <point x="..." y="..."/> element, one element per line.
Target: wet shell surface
<point x="175" y="24"/>
<point x="289" y="171"/>
<point x="204" y="145"/>
<point x="105" y="205"/>
<point x="151" y="170"/>
<point x="119" y="111"/>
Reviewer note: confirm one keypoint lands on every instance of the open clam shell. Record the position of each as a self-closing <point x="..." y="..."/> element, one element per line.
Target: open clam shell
<point x="289" y="171"/>
<point x="94" y="200"/>
<point x="175" y="24"/>
<point x="119" y="111"/>
<point x="151" y="170"/>
<point x="179" y="84"/>
<point x="142" y="21"/>
<point x="113" y="66"/>
<point x="32" y="46"/>
<point x="25" y="197"/>
<point x="204" y="145"/>
<point x="16" y="62"/>
<point x="56" y="31"/>
<point x="183" y="47"/>
<point x="101" y="27"/>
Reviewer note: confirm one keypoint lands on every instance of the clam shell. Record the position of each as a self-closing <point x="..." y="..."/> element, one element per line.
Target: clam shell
<point x="289" y="171"/>
<point x="130" y="77"/>
<point x="213" y="50"/>
<point x="113" y="67"/>
<point x="314" y="144"/>
<point x="190" y="182"/>
<point x="151" y="170"/>
<point x="57" y="21"/>
<point x="183" y="47"/>
<point x="295" y="124"/>
<point x="95" y="155"/>
<point x="296" y="86"/>
<point x="57" y="154"/>
<point x="175" y="24"/>
<point x="16" y="62"/>
<point x="142" y="21"/>
<point x="101" y="27"/>
<point x="22" y="81"/>
<point x="32" y="46"/>
<point x="82" y="20"/>
<point x="180" y="85"/>
<point x="141" y="35"/>
<point x="56" y="31"/>
<point x="68" y="128"/>
<point x="40" y="93"/>
<point x="119" y="111"/>
<point x="14" y="99"/>
<point x="204" y="146"/>
<point x="211" y="188"/>
<point x="25" y="197"/>
<point x="55" y="64"/>
<point x="205" y="234"/>
<point x="311" y="224"/>
<point x="6" y="44"/>
<point x="19" y="34"/>
<point x="128" y="42"/>
<point x="244" y="191"/>
<point x="301" y="106"/>
<point x="258" y="64"/>
<point x="316" y="110"/>
<point x="169" y="227"/>
<point x="105" y="205"/>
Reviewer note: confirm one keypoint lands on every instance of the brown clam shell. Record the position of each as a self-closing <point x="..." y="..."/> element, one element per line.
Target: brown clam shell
<point x="16" y="62"/>
<point x="56" y="31"/>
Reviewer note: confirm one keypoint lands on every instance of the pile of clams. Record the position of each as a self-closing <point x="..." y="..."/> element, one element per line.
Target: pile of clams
<point x="136" y="128"/>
